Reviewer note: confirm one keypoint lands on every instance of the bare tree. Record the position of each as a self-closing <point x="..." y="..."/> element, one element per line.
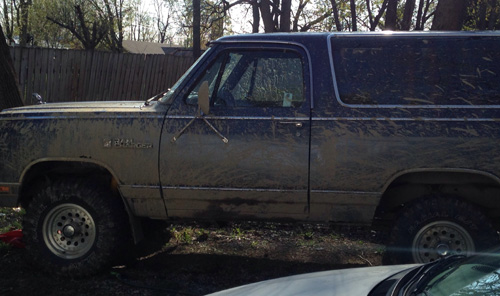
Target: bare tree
<point x="313" y="19"/>
<point x="450" y="15"/>
<point x="408" y="14"/>
<point x="354" y="20"/>
<point x="8" y="11"/>
<point x="89" y="30"/>
<point x="424" y="13"/>
<point x="375" y="20"/>
<point x="196" y="29"/>
<point x="162" y="21"/>
<point x="23" y="15"/>
<point x="256" y="16"/>
<point x="335" y="11"/>
<point x="9" y="90"/>
<point x="391" y="16"/>
<point x="286" y="10"/>
<point x="113" y="12"/>
<point x="494" y="15"/>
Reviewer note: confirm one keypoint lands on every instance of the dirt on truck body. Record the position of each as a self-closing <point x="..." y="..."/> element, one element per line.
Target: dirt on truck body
<point x="394" y="129"/>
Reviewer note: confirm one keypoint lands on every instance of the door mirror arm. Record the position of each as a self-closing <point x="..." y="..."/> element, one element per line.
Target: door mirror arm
<point x="203" y="108"/>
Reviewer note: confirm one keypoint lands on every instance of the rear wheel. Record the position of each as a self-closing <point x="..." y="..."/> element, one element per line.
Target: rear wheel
<point x="438" y="226"/>
<point x="73" y="227"/>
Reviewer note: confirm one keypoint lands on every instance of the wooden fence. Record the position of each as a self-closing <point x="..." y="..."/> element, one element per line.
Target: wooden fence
<point x="60" y="75"/>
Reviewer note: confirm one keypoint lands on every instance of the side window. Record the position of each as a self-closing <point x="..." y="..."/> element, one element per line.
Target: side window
<point x="426" y="71"/>
<point x="210" y="76"/>
<point x="257" y="78"/>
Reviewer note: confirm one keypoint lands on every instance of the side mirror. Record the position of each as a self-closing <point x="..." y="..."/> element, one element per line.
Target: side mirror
<point x="203" y="98"/>
<point x="38" y="97"/>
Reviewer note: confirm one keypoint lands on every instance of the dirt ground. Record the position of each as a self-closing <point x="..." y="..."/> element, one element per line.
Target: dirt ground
<point x="196" y="259"/>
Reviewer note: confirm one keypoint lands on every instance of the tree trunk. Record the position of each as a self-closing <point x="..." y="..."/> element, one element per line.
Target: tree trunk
<point x="285" y="15"/>
<point x="8" y="15"/>
<point x="391" y="17"/>
<point x="493" y="15"/>
<point x="23" y="38"/>
<point x="256" y="17"/>
<point x="420" y="10"/>
<point x="408" y="14"/>
<point x="353" y="16"/>
<point x="196" y="29"/>
<point x="449" y="15"/>
<point x="336" y="17"/>
<point x="482" y="15"/>
<point x="267" y="16"/>
<point x="9" y="90"/>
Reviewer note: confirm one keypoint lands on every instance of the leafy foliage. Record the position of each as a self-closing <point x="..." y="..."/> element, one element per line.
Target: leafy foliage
<point x="104" y="24"/>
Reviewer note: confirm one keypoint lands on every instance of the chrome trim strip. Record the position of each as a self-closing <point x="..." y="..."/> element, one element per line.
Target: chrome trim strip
<point x="304" y="119"/>
<point x="141" y="186"/>
<point x="389" y="106"/>
<point x="254" y="189"/>
<point x="232" y="189"/>
<point x="419" y="33"/>
<point x="240" y="118"/>
<point x="27" y="117"/>
<point x="417" y="119"/>
<point x="346" y="192"/>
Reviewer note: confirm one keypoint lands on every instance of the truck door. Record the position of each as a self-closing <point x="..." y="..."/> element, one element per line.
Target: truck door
<point x="248" y="157"/>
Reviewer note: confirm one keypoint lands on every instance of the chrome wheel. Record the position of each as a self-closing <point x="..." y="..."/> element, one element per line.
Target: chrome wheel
<point x="439" y="239"/>
<point x="69" y="231"/>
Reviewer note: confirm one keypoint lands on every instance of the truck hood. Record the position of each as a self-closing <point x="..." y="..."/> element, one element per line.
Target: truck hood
<point x="348" y="282"/>
<point x="81" y="107"/>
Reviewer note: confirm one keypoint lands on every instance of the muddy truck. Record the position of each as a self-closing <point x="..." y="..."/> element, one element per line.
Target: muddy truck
<point x="394" y="130"/>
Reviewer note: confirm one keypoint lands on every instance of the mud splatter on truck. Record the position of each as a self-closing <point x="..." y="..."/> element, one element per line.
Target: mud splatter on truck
<point x="388" y="129"/>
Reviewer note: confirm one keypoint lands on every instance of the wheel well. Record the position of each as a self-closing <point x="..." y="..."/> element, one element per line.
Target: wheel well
<point x="43" y="173"/>
<point x="480" y="190"/>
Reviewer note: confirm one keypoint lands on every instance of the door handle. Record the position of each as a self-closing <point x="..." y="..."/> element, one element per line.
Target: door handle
<point x="296" y="123"/>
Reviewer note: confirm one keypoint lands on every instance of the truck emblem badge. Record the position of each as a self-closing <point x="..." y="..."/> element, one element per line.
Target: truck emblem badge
<point x="125" y="143"/>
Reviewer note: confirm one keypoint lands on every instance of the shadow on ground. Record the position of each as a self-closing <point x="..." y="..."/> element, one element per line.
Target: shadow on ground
<point x="190" y="260"/>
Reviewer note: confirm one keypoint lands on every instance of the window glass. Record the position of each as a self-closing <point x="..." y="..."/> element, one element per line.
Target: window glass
<point x="210" y="75"/>
<point x="418" y="71"/>
<point x="257" y="78"/>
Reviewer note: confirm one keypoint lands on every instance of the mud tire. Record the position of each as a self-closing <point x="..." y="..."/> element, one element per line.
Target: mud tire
<point x="439" y="223"/>
<point x="86" y="207"/>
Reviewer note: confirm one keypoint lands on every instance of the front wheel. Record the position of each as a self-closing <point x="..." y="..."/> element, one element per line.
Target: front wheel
<point x="73" y="227"/>
<point x="439" y="226"/>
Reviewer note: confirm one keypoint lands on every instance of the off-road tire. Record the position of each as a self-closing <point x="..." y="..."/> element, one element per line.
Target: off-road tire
<point x="437" y="226"/>
<point x="74" y="227"/>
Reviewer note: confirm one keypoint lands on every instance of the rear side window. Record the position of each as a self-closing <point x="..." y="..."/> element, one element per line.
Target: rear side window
<point x="417" y="71"/>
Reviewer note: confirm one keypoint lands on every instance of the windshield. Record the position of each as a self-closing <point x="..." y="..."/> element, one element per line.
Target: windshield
<point x="478" y="275"/>
<point x="167" y="98"/>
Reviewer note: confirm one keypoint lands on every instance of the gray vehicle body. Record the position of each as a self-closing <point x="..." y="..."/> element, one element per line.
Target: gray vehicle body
<point x="323" y="159"/>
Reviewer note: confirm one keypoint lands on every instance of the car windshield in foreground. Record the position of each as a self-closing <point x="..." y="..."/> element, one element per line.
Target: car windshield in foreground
<point x="456" y="276"/>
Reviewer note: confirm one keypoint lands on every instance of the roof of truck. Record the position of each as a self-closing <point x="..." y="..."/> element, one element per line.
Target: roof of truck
<point x="301" y="36"/>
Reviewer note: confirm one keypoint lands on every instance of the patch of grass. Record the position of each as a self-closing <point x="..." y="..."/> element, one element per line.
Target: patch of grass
<point x="307" y="243"/>
<point x="187" y="235"/>
<point x="237" y="232"/>
<point x="308" y="235"/>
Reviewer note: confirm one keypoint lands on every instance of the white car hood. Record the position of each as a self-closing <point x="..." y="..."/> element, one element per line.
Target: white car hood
<point x="349" y="282"/>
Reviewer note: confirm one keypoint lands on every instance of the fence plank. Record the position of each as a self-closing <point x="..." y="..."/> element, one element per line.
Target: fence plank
<point x="61" y="75"/>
